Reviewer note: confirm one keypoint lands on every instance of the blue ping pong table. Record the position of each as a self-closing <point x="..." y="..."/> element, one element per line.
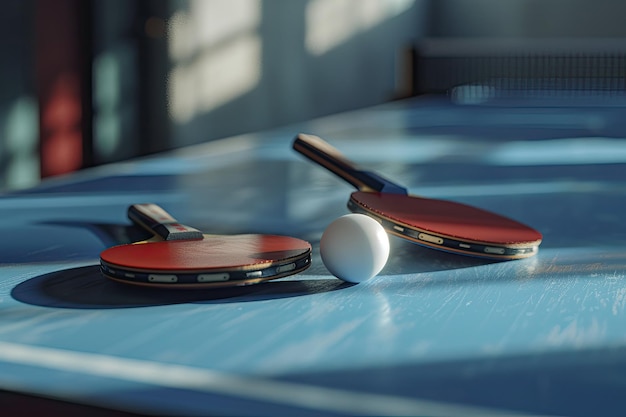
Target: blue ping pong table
<point x="435" y="334"/>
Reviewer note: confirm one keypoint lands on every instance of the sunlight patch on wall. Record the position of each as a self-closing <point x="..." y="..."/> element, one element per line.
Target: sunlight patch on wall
<point x="216" y="77"/>
<point x="216" y="52"/>
<point x="330" y="23"/>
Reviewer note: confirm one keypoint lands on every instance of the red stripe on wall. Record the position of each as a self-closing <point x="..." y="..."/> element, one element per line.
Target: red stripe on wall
<point x="61" y="83"/>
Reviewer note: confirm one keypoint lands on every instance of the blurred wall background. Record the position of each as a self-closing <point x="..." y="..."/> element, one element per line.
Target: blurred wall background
<point x="19" y="132"/>
<point x="197" y="70"/>
<point x="86" y="82"/>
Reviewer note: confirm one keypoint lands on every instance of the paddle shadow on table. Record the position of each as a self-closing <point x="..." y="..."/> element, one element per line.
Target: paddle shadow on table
<point x="86" y="288"/>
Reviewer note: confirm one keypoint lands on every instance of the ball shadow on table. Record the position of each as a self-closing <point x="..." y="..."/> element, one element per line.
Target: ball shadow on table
<point x="85" y="288"/>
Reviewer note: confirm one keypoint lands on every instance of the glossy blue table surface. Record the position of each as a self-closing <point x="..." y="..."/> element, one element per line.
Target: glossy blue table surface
<point x="434" y="334"/>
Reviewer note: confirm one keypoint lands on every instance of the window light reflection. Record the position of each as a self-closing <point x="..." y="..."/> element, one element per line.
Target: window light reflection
<point x="568" y="151"/>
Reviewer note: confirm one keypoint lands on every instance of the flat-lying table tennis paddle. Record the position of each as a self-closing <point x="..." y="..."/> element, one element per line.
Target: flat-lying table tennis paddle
<point x="439" y="224"/>
<point x="179" y="256"/>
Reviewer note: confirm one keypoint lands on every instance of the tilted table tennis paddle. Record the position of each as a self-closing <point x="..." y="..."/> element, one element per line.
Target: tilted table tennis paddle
<point x="179" y="256"/>
<point x="439" y="224"/>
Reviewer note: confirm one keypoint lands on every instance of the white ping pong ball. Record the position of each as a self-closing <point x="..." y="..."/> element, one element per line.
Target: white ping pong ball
<point x="354" y="248"/>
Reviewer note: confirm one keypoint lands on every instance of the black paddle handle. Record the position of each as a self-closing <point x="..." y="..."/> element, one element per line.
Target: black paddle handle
<point x="161" y="223"/>
<point x="324" y="154"/>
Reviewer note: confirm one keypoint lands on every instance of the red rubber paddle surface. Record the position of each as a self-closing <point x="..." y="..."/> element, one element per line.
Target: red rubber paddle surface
<point x="238" y="252"/>
<point x="447" y="218"/>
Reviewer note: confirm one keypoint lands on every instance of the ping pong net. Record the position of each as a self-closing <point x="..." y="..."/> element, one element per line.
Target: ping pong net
<point x="477" y="70"/>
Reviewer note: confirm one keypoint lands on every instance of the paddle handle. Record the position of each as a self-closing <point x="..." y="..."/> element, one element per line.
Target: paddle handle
<point x="161" y="223"/>
<point x="324" y="154"/>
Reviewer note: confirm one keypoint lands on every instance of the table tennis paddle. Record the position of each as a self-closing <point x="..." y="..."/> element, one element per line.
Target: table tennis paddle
<point x="439" y="224"/>
<point x="179" y="256"/>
